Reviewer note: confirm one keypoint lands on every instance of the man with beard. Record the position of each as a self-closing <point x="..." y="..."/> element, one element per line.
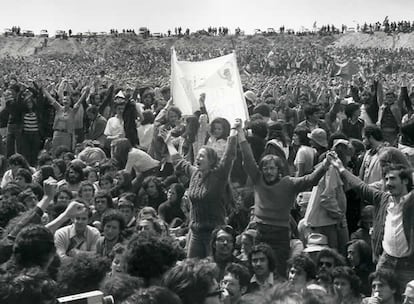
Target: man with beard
<point x="263" y="262"/>
<point x="370" y="171"/>
<point x="78" y="237"/>
<point x="73" y="178"/>
<point x="234" y="284"/>
<point x="393" y="227"/>
<point x="326" y="261"/>
<point x="223" y="239"/>
<point x="274" y="195"/>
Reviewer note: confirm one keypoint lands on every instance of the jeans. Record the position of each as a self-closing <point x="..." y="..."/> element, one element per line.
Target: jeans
<point x="402" y="267"/>
<point x="337" y="235"/>
<point x="31" y="146"/>
<point x="199" y="244"/>
<point x="277" y="238"/>
<point x="13" y="139"/>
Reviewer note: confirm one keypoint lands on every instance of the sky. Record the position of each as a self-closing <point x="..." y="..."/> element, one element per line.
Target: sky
<point x="161" y="15"/>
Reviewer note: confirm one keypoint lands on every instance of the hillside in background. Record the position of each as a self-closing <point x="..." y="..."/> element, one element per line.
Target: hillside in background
<point x="24" y="46"/>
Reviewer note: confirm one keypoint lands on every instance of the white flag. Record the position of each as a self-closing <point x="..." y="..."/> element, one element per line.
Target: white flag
<point x="218" y="78"/>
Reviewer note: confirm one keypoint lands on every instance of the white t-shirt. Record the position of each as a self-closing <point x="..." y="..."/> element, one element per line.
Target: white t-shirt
<point x="305" y="155"/>
<point x="115" y="126"/>
<point x="140" y="161"/>
<point x="145" y="135"/>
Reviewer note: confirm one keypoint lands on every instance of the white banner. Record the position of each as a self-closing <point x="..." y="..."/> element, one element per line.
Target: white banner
<point x="218" y="78"/>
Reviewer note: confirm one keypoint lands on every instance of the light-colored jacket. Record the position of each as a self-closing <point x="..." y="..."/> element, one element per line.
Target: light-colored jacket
<point x="327" y="205"/>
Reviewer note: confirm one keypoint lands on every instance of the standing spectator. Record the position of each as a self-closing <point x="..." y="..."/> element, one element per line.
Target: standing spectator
<point x="306" y="155"/>
<point x="274" y="198"/>
<point x="64" y="133"/>
<point x="14" y="107"/>
<point x="352" y="126"/>
<point x="31" y="141"/>
<point x="208" y="180"/>
<point x="371" y="169"/>
<point x="97" y="124"/>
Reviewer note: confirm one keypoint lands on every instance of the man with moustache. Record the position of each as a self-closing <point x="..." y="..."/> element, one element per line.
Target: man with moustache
<point x="263" y="262"/>
<point x="393" y="227"/>
<point x="223" y="239"/>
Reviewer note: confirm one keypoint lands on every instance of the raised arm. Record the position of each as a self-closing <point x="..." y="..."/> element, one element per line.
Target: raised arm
<point x="229" y="155"/>
<point x="180" y="164"/>
<point x="52" y="101"/>
<point x="85" y="93"/>
<point x="368" y="193"/>
<point x="249" y="163"/>
<point x="305" y="182"/>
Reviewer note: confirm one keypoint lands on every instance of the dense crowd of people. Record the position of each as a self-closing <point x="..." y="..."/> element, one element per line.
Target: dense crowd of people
<point x="107" y="187"/>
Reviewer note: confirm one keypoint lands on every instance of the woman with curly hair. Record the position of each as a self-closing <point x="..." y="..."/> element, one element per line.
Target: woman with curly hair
<point x="219" y="131"/>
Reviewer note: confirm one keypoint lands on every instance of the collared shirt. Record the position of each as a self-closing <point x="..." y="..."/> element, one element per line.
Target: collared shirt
<point x="269" y="282"/>
<point x="395" y="242"/>
<point x="64" y="236"/>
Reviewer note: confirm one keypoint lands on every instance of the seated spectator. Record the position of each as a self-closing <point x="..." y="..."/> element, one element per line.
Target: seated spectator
<point x="346" y="286"/>
<point x="263" y="262"/>
<point x="223" y="239"/>
<point x="83" y="273"/>
<point x="28" y="286"/>
<point x="301" y="272"/>
<point x="360" y="259"/>
<point x="384" y="288"/>
<point x="153" y="295"/>
<point x="171" y="209"/>
<point x="149" y="256"/>
<point x="120" y="287"/>
<point x="127" y="207"/>
<point x="365" y="224"/>
<point x="194" y="281"/>
<point x="113" y="224"/>
<point x="78" y="237"/>
<point x="102" y="203"/>
<point x="234" y="283"/>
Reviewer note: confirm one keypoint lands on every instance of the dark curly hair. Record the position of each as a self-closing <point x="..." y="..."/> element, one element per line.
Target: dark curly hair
<point x="28" y="286"/>
<point x="304" y="262"/>
<point x="82" y="273"/>
<point x="345" y="272"/>
<point x="191" y="280"/>
<point x="34" y="246"/>
<point x="113" y="215"/>
<point x="267" y="251"/>
<point x="149" y="256"/>
<point x="153" y="295"/>
<point x="120" y="286"/>
<point x="224" y="123"/>
<point x="77" y="168"/>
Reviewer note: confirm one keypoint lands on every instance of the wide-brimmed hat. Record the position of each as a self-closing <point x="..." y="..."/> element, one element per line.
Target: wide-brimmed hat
<point x="319" y="136"/>
<point x="316" y="242"/>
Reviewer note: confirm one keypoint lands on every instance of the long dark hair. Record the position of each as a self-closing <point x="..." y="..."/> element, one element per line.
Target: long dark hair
<point x="122" y="148"/>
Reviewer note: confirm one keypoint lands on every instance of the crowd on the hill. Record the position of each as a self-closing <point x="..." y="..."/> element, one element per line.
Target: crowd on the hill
<point x="107" y="186"/>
